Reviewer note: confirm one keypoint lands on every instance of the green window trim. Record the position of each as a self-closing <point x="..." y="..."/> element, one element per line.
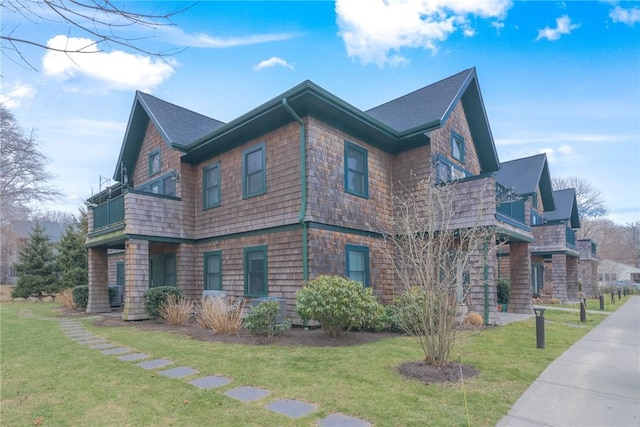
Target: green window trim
<point x="255" y="271"/>
<point x="457" y="147"/>
<point x="211" y="186"/>
<point x="212" y="270"/>
<point x="356" y="170"/>
<point x="254" y="171"/>
<point x="357" y="264"/>
<point x="154" y="162"/>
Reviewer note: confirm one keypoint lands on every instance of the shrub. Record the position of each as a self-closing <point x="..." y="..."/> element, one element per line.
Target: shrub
<point x="220" y="315"/>
<point x="504" y="291"/>
<point x="338" y="304"/>
<point x="473" y="319"/>
<point x="176" y="310"/>
<point x="81" y="295"/>
<point x="66" y="298"/>
<point x="157" y="296"/>
<point x="262" y="319"/>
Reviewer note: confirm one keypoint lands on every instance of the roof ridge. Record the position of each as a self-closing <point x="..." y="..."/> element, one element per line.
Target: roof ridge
<point x="143" y="94"/>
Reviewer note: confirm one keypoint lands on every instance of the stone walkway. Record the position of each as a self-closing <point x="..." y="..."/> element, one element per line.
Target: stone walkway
<point x="242" y="393"/>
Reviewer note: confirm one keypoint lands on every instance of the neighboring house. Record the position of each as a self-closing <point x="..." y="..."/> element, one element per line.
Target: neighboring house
<point x="14" y="236"/>
<point x="554" y="218"/>
<point x="302" y="185"/>
<point x="617" y="274"/>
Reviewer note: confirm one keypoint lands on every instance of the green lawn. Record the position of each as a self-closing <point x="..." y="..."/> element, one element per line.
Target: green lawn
<point x="594" y="303"/>
<point x="49" y="379"/>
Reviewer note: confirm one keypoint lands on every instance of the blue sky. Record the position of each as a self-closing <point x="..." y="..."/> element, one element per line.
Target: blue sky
<point x="556" y="77"/>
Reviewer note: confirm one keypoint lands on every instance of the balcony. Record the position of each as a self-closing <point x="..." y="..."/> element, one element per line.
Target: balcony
<point x="510" y="206"/>
<point x="109" y="213"/>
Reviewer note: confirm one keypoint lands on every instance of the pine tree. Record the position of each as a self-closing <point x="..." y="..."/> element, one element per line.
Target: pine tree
<point x="36" y="266"/>
<point x="72" y="255"/>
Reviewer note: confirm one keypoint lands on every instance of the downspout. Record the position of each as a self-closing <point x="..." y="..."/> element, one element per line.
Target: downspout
<point x="303" y="189"/>
<point x="486" y="282"/>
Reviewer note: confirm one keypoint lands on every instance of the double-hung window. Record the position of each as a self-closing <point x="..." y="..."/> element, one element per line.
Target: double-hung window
<point x="213" y="271"/>
<point x="358" y="264"/>
<point x="211" y="186"/>
<point x="255" y="271"/>
<point x="457" y="147"/>
<point x="154" y="162"/>
<point x="254" y="178"/>
<point x="356" y="170"/>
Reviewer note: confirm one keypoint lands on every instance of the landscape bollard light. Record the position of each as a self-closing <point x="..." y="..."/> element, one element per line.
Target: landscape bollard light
<point x="583" y="310"/>
<point x="613" y="297"/>
<point x="619" y="295"/>
<point x="601" y="302"/>
<point x="539" y="327"/>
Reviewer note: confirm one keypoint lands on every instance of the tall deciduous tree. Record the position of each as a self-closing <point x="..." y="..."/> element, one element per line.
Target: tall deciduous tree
<point x="72" y="255"/>
<point x="100" y="21"/>
<point x="24" y="179"/>
<point x="440" y="235"/>
<point x="591" y="204"/>
<point x="36" y="267"/>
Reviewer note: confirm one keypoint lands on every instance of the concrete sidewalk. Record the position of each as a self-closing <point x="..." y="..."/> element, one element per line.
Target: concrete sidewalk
<point x="596" y="382"/>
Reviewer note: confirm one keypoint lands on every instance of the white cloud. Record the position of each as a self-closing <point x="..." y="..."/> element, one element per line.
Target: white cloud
<point x="17" y="93"/>
<point x="274" y="61"/>
<point x="626" y="16"/>
<point x="177" y="36"/>
<point x="375" y="31"/>
<point x="563" y="26"/>
<point x="90" y="70"/>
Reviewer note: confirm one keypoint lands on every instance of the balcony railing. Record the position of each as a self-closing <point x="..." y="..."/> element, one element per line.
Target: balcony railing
<point x="571" y="237"/>
<point x="109" y="212"/>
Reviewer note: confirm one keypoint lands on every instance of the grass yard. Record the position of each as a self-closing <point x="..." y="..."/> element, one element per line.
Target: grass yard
<point x="49" y="380"/>
<point x="594" y="303"/>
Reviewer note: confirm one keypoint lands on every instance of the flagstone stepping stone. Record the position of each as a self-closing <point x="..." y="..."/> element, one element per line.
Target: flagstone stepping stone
<point x="102" y="346"/>
<point x="119" y="350"/>
<point x="94" y="341"/>
<point x="179" y="372"/>
<point x="210" y="382"/>
<point x="134" y="356"/>
<point x="291" y="408"/>
<point x="341" y="420"/>
<point x="83" y="337"/>
<point x="246" y="393"/>
<point x="155" y="363"/>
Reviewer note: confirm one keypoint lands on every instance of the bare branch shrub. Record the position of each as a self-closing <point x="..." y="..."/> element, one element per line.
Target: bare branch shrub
<point x="224" y="316"/>
<point x="440" y="231"/>
<point x="176" y="310"/>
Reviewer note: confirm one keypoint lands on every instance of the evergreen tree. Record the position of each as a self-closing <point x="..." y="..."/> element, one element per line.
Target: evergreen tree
<point x="36" y="267"/>
<point x="72" y="255"/>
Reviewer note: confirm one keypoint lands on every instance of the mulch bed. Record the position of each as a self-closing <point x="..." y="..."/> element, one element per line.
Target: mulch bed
<point x="297" y="337"/>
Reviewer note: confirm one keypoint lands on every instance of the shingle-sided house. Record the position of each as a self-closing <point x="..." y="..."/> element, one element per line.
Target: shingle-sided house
<point x="300" y="186"/>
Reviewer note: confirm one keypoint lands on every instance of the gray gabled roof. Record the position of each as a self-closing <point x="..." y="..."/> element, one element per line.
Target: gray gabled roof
<point x="566" y="207"/>
<point x="177" y="125"/>
<point x="431" y="104"/>
<point x="524" y="176"/>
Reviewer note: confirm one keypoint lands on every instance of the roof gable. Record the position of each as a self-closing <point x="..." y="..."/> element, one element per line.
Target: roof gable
<point x="178" y="126"/>
<point x="566" y="207"/>
<point x="524" y="177"/>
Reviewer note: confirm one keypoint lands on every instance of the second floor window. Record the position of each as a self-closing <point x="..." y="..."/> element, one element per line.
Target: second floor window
<point x="154" y="162"/>
<point x="254" y="179"/>
<point x="356" y="170"/>
<point x="211" y="186"/>
<point x="457" y="147"/>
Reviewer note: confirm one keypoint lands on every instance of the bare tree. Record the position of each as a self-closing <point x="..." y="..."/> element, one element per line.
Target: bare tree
<point x="101" y="21"/>
<point x="24" y="179"/>
<point x="440" y="231"/>
<point x="591" y="204"/>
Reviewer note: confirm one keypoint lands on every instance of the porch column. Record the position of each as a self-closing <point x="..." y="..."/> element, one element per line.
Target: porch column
<point x="98" y="281"/>
<point x="136" y="279"/>
<point x="520" y="267"/>
<point x="475" y="298"/>
<point x="186" y="266"/>
<point x="572" y="279"/>
<point x="559" y="275"/>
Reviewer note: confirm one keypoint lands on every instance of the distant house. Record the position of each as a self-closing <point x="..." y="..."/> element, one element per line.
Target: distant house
<point x="617" y="274"/>
<point x="300" y="186"/>
<point x="14" y="236"/>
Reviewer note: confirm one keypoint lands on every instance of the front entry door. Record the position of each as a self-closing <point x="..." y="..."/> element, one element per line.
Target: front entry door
<point x="156" y="273"/>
